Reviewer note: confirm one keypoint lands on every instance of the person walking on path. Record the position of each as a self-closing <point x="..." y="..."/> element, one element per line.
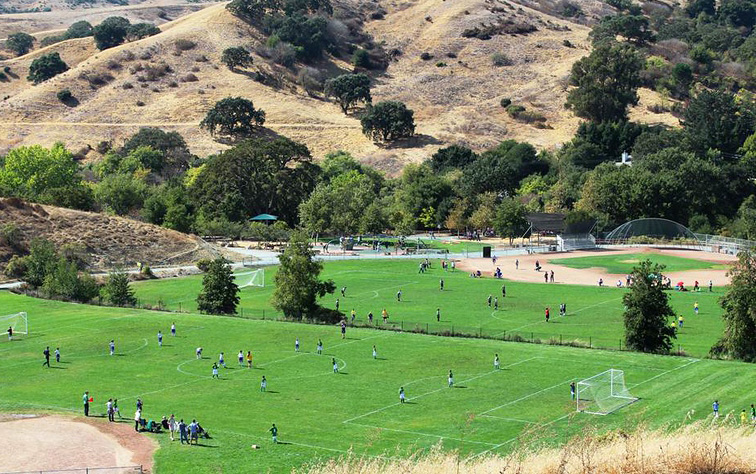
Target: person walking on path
<point x="137" y="419"/>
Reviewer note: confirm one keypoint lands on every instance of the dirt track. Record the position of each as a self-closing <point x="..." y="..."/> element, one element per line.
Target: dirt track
<point x="57" y="442"/>
<point x="590" y="276"/>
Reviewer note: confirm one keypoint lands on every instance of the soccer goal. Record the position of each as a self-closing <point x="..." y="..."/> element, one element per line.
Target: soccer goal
<point x="603" y="393"/>
<point x="253" y="278"/>
<point x="19" y="322"/>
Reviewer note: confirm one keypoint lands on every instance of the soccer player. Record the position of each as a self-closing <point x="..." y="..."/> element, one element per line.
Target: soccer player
<point x="451" y="379"/>
<point x="10" y="333"/>
<point x="384" y="315"/>
<point x="320" y="346"/>
<point x="112" y="346"/>
<point x="263" y="384"/>
<point x="546" y="277"/>
<point x="57" y="355"/>
<point x="496" y="362"/>
<point x="496" y="303"/>
<point x="173" y="329"/>
<point x="221" y="360"/>
<point x="337" y="304"/>
<point x="375" y="354"/>
<point x="399" y="295"/>
<point x="241" y="358"/>
<point x="503" y="291"/>
<point x="343" y="329"/>
<point x="572" y="390"/>
<point x="198" y="352"/>
<point x="115" y="408"/>
<point x="438" y="314"/>
<point x="680" y="322"/>
<point x="139" y="404"/>
<point x="453" y="265"/>
<point x="441" y="283"/>
<point x="547" y="314"/>
<point x="695" y="307"/>
<point x="354" y="315"/>
<point x="715" y="408"/>
<point x="335" y="365"/>
<point x="370" y="317"/>
<point x="753" y="412"/>
<point x="182" y="432"/>
<point x="109" y="409"/>
<point x="249" y="359"/>
<point x="274" y="432"/>
<point x="215" y="371"/>
<point x="743" y="417"/>
<point x="296" y="345"/>
<point x="552" y="276"/>
<point x="488" y="300"/>
<point x="343" y="291"/>
<point x="160" y="339"/>
<point x="85" y="398"/>
<point x="46" y="352"/>
<point x="711" y="285"/>
<point x="401" y="394"/>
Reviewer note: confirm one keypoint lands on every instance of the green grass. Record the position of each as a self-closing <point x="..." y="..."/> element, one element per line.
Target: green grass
<point x="321" y="414"/>
<point x="624" y="263"/>
<point x="594" y="314"/>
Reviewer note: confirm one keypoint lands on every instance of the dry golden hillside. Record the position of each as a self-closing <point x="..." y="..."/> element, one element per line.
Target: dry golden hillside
<point x="696" y="449"/>
<point x="455" y="95"/>
<point x="107" y="240"/>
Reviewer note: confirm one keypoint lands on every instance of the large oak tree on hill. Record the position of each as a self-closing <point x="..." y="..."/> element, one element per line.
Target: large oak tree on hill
<point x="606" y="83"/>
<point x="233" y="116"/>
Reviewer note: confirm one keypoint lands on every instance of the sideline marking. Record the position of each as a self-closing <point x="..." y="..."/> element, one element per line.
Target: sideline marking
<point x="438" y="390"/>
<point x="421" y="434"/>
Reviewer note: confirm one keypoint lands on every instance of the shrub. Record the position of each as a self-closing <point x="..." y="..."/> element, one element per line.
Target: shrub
<point x="139" y="103"/>
<point x="138" y="31"/>
<point x="3" y="77"/>
<point x="515" y="110"/>
<point x="64" y="95"/>
<point x="500" y="59"/>
<point x="7" y="69"/>
<point x="361" y="58"/>
<point x="426" y="56"/>
<point x="440" y="64"/>
<point x="204" y="264"/>
<point x="283" y="54"/>
<point x="127" y="85"/>
<point x="16" y="267"/>
<point x="236" y="57"/>
<point x="190" y="78"/>
<point x="111" y="32"/>
<point x="506" y="102"/>
<point x="567" y="43"/>
<point x="19" y="43"/>
<point x="388" y="121"/>
<point x="184" y="45"/>
<point x="46" y="67"/>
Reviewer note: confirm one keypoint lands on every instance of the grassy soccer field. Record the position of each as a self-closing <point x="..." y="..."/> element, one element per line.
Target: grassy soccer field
<point x="321" y="414"/>
<point x="594" y="314"/>
<point x="624" y="263"/>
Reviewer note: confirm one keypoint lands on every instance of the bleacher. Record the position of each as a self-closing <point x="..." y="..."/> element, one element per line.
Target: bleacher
<point x="568" y="242"/>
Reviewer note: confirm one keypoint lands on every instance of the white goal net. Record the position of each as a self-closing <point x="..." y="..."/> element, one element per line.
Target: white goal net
<point x="253" y="278"/>
<point x="19" y="322"/>
<point x="603" y="393"/>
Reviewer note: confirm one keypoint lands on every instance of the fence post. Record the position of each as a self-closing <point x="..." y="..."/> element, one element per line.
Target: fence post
<point x="590" y="342"/>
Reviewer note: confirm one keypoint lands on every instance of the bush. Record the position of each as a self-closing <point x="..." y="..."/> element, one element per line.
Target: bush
<point x="236" y="56"/>
<point x="234" y="116"/>
<point x="388" y="121"/>
<point x="515" y="110"/>
<point x="46" y="67"/>
<point x="64" y="95"/>
<point x="111" y="32"/>
<point x="184" y="45"/>
<point x="500" y="60"/>
<point x="16" y="267"/>
<point x="361" y="59"/>
<point x="3" y="77"/>
<point x="567" y="43"/>
<point x="20" y="43"/>
<point x="204" y="264"/>
<point x="440" y="64"/>
<point x="426" y="56"/>
<point x="506" y="102"/>
<point x="189" y="78"/>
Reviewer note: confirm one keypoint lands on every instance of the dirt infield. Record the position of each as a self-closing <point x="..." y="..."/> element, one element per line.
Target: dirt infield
<point x="590" y="276"/>
<point x="45" y="443"/>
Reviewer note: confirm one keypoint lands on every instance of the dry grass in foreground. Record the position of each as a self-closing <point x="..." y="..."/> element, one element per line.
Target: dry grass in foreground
<point x="695" y="449"/>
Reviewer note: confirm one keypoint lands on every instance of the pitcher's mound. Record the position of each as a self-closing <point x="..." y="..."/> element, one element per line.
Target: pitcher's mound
<point x="54" y="443"/>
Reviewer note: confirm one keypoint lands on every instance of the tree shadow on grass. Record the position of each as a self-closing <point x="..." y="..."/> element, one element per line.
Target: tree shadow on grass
<point x="415" y="141"/>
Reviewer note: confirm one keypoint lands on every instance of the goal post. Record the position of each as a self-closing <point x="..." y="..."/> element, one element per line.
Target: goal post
<point x="18" y="321"/>
<point x="251" y="278"/>
<point x="603" y="393"/>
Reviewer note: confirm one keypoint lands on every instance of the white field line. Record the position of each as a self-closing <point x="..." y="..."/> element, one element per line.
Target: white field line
<point x="516" y="420"/>
<point x="690" y="362"/>
<point x="437" y="390"/>
<point x="527" y="396"/>
<point x="515" y="438"/>
<point x="421" y="434"/>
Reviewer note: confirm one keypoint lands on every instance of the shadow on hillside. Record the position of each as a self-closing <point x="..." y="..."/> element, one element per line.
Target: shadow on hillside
<point x="260" y="132"/>
<point x="72" y="102"/>
<point x="417" y="141"/>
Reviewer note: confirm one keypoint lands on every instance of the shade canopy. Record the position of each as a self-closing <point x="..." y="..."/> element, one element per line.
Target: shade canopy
<point x="264" y="217"/>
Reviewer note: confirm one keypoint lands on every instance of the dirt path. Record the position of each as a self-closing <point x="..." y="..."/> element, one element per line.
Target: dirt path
<point x="57" y="442"/>
<point x="590" y="276"/>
